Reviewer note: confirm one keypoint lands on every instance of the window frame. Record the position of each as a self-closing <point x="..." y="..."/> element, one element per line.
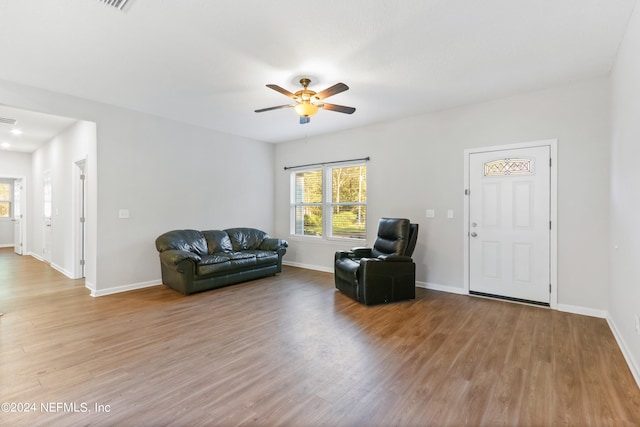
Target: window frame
<point x="8" y="201"/>
<point x="327" y="205"/>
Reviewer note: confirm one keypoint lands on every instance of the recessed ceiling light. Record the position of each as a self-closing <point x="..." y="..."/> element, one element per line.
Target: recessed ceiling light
<point x="5" y="145"/>
<point x="16" y="132"/>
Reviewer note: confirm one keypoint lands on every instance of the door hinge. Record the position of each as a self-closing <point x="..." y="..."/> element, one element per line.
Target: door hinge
<point x="549" y="225"/>
<point x="466" y="192"/>
<point x="549" y="161"/>
<point x="549" y="287"/>
<point x="82" y="177"/>
<point x="82" y="220"/>
<point x="81" y="262"/>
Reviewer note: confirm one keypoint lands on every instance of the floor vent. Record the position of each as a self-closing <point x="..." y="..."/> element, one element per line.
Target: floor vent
<point x="118" y="4"/>
<point x="8" y="121"/>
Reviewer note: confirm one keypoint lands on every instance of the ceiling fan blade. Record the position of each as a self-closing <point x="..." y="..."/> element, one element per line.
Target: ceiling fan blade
<point x="281" y="90"/>
<point x="273" y="108"/>
<point x="338" y="108"/>
<point x="330" y="91"/>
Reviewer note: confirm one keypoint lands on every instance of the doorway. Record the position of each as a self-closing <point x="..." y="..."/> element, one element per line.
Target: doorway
<point x="510" y="217"/>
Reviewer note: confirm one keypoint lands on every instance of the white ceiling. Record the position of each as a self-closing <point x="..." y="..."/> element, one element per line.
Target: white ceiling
<point x="37" y="129"/>
<point x="207" y="62"/>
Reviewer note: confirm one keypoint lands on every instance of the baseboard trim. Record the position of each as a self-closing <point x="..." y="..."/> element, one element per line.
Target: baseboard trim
<point x="10" y="245"/>
<point x="124" y="288"/>
<point x="308" y="266"/>
<point x="585" y="311"/>
<point x="633" y="367"/>
<point x="441" y="288"/>
<point x="36" y="256"/>
<point x="62" y="270"/>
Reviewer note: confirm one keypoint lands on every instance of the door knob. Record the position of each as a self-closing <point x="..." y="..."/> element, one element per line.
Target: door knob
<point x="474" y="234"/>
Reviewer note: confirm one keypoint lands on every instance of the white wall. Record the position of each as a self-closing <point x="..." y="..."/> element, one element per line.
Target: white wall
<point x="14" y="164"/>
<point x="59" y="156"/>
<point x="417" y="164"/>
<point x="624" y="292"/>
<point x="169" y="175"/>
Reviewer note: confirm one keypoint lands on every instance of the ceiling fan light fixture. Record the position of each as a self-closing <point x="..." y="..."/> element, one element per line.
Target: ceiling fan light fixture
<point x="306" y="109"/>
<point x="307" y="102"/>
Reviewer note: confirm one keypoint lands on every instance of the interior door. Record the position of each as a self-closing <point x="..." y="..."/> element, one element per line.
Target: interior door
<point x="509" y="223"/>
<point x="17" y="217"/>
<point x="47" y="217"/>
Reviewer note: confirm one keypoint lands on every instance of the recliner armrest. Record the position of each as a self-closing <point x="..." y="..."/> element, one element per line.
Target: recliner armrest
<point x="354" y="253"/>
<point x="362" y="252"/>
<point x="395" y="258"/>
<point x="173" y="257"/>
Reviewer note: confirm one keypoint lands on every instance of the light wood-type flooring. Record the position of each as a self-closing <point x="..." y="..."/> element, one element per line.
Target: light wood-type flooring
<point x="290" y="350"/>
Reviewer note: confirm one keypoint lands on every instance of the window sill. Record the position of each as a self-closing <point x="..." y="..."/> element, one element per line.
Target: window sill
<point x="327" y="240"/>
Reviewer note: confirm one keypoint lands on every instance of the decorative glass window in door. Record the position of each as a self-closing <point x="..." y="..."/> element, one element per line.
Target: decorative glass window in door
<point x="504" y="167"/>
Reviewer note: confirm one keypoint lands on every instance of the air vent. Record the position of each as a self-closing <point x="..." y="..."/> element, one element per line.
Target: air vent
<point x="118" y="4"/>
<point x="8" y="121"/>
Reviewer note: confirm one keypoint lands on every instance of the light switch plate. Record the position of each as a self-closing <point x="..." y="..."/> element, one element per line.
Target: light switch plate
<point x="431" y="213"/>
<point x="450" y="213"/>
<point x="123" y="213"/>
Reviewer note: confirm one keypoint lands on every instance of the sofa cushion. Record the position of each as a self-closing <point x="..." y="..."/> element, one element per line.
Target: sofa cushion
<point x="225" y="262"/>
<point x="242" y="263"/>
<point x="220" y="267"/>
<point x="244" y="239"/>
<point x="264" y="257"/>
<point x="213" y="259"/>
<point x="218" y="241"/>
<point x="183" y="240"/>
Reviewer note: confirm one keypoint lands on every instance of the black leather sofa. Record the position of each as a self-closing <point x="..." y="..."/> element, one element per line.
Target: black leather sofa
<point x="384" y="273"/>
<point x="195" y="261"/>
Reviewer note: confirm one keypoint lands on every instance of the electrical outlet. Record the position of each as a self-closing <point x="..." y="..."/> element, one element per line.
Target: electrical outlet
<point x="637" y="324"/>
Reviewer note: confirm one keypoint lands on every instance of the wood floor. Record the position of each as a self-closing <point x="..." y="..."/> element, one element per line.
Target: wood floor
<point x="289" y="350"/>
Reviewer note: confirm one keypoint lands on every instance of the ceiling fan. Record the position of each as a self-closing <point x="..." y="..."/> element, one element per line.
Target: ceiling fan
<point x="307" y="101"/>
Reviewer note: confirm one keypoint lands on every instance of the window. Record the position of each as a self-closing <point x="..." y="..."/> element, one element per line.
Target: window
<point x="508" y="167"/>
<point x="6" y="189"/>
<point x="330" y="202"/>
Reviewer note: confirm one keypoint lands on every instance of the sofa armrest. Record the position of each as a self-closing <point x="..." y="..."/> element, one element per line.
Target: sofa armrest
<point x="173" y="257"/>
<point x="273" y="244"/>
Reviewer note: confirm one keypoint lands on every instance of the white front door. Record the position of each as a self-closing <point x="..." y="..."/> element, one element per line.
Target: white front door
<point x="47" y="217"/>
<point x="509" y="223"/>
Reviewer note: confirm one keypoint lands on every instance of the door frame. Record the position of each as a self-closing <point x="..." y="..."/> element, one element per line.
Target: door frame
<point x="553" y="193"/>
<point x="78" y="231"/>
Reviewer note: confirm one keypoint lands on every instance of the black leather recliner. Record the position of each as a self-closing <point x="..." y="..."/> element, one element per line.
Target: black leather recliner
<point x="384" y="273"/>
